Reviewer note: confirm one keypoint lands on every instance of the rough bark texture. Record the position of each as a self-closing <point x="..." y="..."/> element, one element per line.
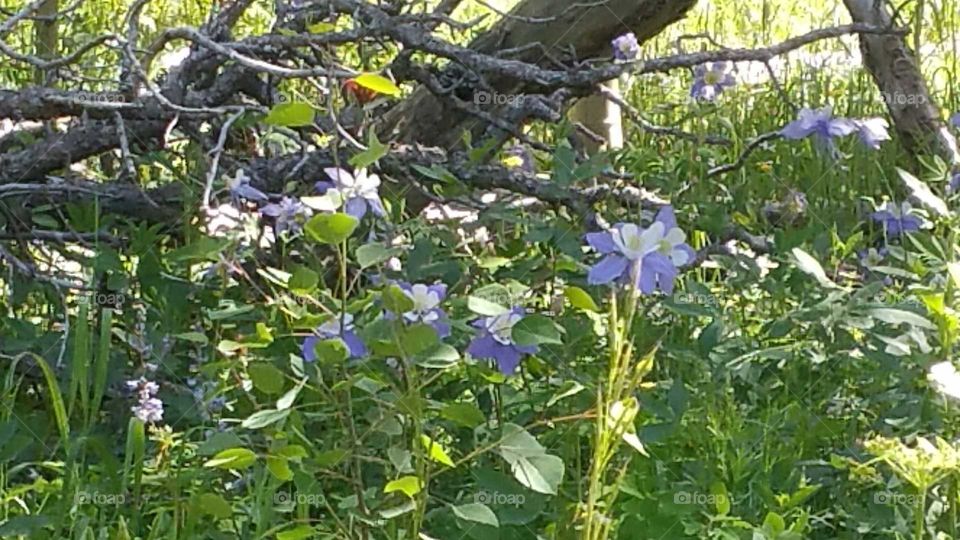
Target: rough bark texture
<point x="894" y="68"/>
<point x="584" y="31"/>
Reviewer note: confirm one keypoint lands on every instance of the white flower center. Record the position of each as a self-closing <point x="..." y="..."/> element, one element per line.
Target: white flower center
<point x="424" y="302"/>
<point x="501" y="326"/>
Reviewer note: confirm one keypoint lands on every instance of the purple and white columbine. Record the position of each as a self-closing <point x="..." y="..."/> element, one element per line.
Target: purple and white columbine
<point x="494" y="340"/>
<point x="149" y="408"/>
<point x="426" y="306"/>
<point x="872" y="132"/>
<point x="333" y="330"/>
<point x="625" y="47"/>
<point x="897" y="219"/>
<point x="710" y="79"/>
<point x="290" y="215"/>
<point x="822" y="126"/>
<point x="646" y="258"/>
<point x="358" y="191"/>
<point x="240" y="188"/>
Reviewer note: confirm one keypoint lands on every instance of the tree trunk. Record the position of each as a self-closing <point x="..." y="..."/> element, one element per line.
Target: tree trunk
<point x="894" y="68"/>
<point x="567" y="29"/>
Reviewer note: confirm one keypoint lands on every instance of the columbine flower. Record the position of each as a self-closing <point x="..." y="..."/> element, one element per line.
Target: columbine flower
<point x="872" y="257"/>
<point x="626" y="47"/>
<point x="897" y="219"/>
<point x="872" y="132"/>
<point x="240" y="187"/>
<point x="495" y="341"/>
<point x="709" y="80"/>
<point x="426" y="306"/>
<point x="330" y="330"/>
<point x="945" y="379"/>
<point x="955" y="120"/>
<point x="358" y="191"/>
<point x="648" y="258"/>
<point x="289" y="214"/>
<point x="821" y="124"/>
<point x="149" y="409"/>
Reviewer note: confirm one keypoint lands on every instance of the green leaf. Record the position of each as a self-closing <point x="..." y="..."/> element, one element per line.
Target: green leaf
<point x="331" y="228"/>
<point x="536" y="330"/>
<point x="300" y="532"/>
<point x="529" y="462"/>
<point x="279" y="467"/>
<point x="193" y="337"/>
<point x="440" y="356"/>
<point x="811" y="266"/>
<point x="408" y="485"/>
<point x="564" y="162"/>
<point x="418" y="338"/>
<point x="482" y="306"/>
<point x="214" y="505"/>
<point x="477" y="513"/>
<point x="234" y="458"/>
<point x="331" y="351"/>
<point x="465" y="414"/>
<point x="375" y="150"/>
<point x="287" y="400"/>
<point x="901" y="316"/>
<point x="266" y="377"/>
<point x="293" y="114"/>
<point x="720" y="498"/>
<point x="264" y="418"/>
<point x="580" y="299"/>
<point x="921" y="191"/>
<point x="396" y="300"/>
<point x="377" y="83"/>
<point x="435" y="451"/>
<point x="369" y="255"/>
<point x="303" y="280"/>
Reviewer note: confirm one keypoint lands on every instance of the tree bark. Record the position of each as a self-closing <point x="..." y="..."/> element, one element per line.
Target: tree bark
<point x="568" y="30"/>
<point x="894" y="68"/>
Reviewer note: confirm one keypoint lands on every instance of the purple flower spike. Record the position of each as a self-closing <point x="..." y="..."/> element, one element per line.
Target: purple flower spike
<point x="646" y="258"/>
<point x="426" y="306"/>
<point x="289" y="214"/>
<point x="710" y="79"/>
<point x="149" y="408"/>
<point x="897" y="219"/>
<point x="358" y="191"/>
<point x="820" y="124"/>
<point x="494" y="340"/>
<point x="330" y="330"/>
<point x="626" y="47"/>
<point x="872" y="132"/>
